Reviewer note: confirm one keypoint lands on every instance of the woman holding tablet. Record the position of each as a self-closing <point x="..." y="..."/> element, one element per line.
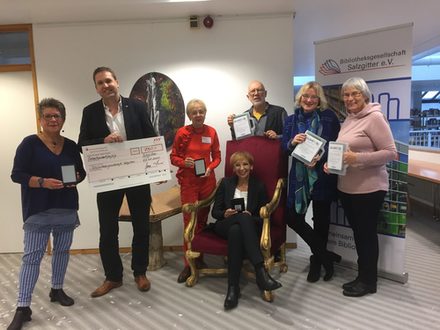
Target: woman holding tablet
<point x="196" y="152"/>
<point x="240" y="224"/>
<point x="362" y="189"/>
<point x="308" y="183"/>
<point x="49" y="203"/>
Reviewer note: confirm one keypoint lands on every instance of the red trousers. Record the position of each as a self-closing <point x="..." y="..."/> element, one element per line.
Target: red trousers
<point x="191" y="192"/>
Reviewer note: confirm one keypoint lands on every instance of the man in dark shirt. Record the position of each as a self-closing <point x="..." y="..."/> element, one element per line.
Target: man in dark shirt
<point x="268" y="118"/>
<point x="115" y="119"/>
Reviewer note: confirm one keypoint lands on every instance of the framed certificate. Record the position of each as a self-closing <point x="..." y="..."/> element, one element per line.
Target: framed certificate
<point x="238" y="204"/>
<point x="335" y="158"/>
<point x="312" y="146"/>
<point x="243" y="126"/>
<point x="199" y="167"/>
<point x="68" y="173"/>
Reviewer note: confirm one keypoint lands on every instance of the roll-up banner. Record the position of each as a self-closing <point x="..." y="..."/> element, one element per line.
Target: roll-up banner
<point x="383" y="59"/>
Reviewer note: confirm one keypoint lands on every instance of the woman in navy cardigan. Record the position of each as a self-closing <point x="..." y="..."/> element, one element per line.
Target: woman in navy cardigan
<point x="310" y="183"/>
<point x="49" y="205"/>
<point x="241" y="225"/>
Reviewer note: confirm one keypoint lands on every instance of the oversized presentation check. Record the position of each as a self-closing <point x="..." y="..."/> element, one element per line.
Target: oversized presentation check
<point x="112" y="166"/>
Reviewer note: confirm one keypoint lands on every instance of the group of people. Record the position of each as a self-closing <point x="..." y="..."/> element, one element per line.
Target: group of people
<point x="361" y="190"/>
<point x="50" y="205"/>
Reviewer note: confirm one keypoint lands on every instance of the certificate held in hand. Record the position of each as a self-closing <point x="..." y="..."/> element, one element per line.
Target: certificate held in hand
<point x="312" y="146"/>
<point x="243" y="126"/>
<point x="335" y="159"/>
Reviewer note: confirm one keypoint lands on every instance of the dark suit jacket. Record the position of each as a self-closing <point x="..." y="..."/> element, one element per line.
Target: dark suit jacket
<point x="94" y="127"/>
<point x="257" y="196"/>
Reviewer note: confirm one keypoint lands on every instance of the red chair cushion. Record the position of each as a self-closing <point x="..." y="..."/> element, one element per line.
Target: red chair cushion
<point x="208" y="242"/>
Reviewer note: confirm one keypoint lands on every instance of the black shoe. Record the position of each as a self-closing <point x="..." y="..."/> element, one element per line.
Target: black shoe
<point x="22" y="314"/>
<point x="350" y="284"/>
<point x="360" y="289"/>
<point x="264" y="281"/>
<point x="60" y="296"/>
<point x="314" y="270"/>
<point x="328" y="260"/>
<point x="184" y="274"/>
<point x="232" y="296"/>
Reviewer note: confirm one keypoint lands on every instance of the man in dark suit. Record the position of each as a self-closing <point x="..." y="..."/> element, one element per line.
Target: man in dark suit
<point x="110" y="120"/>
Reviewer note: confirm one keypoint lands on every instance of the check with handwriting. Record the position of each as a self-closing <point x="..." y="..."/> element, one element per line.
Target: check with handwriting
<point x="112" y="166"/>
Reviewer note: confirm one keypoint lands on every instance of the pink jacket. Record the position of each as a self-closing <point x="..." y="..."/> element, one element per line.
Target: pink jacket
<point x="369" y="135"/>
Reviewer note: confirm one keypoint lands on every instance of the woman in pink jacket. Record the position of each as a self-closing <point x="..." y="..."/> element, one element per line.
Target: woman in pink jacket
<point x="362" y="190"/>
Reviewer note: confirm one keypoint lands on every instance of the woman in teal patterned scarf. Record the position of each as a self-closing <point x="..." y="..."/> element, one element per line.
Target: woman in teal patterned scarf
<point x="310" y="183"/>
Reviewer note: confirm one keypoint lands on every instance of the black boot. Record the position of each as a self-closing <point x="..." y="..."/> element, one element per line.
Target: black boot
<point x="350" y="284"/>
<point x="22" y="314"/>
<point x="264" y="281"/>
<point x="232" y="296"/>
<point x="360" y="289"/>
<point x="314" y="270"/>
<point x="327" y="262"/>
<point x="60" y="296"/>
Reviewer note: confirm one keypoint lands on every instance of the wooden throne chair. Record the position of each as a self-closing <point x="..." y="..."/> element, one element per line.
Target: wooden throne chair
<point x="270" y="166"/>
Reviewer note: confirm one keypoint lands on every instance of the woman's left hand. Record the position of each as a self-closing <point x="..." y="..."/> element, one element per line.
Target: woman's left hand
<point x="350" y="157"/>
<point x="247" y="212"/>
<point x="314" y="161"/>
<point x="207" y="173"/>
<point x="50" y="183"/>
<point x="230" y="212"/>
<point x="325" y="168"/>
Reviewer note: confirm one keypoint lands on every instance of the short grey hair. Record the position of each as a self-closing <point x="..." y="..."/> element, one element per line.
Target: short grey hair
<point x="359" y="84"/>
<point x="51" y="103"/>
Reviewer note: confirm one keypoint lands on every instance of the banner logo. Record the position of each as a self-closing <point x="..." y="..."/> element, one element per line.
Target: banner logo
<point x="329" y="67"/>
<point x="380" y="61"/>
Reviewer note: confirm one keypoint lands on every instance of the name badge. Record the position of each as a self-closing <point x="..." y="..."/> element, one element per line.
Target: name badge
<point x="206" y="139"/>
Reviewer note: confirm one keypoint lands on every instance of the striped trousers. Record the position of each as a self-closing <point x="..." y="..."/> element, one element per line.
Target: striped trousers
<point x="35" y="243"/>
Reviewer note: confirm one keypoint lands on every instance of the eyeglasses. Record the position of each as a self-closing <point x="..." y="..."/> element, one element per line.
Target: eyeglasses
<point x="310" y="97"/>
<point x="256" y="91"/>
<point x="49" y="117"/>
<point x="354" y="95"/>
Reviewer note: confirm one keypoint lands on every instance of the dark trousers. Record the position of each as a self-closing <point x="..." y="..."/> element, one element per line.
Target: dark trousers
<point x="109" y="205"/>
<point x="362" y="212"/>
<point x="316" y="237"/>
<point x="243" y="234"/>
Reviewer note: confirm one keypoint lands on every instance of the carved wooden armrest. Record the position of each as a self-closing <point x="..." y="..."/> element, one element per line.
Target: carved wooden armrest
<point x="193" y="209"/>
<point x="265" y="213"/>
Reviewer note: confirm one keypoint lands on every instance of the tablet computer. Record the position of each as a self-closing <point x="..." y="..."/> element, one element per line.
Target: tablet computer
<point x="199" y="167"/>
<point x="68" y="173"/>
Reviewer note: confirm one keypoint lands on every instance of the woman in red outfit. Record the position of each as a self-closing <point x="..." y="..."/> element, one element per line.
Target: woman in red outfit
<point x="194" y="142"/>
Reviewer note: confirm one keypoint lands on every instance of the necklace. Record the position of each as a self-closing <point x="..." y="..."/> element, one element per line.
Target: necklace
<point x="50" y="142"/>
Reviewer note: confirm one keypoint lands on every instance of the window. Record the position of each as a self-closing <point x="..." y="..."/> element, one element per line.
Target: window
<point x="15" y="48"/>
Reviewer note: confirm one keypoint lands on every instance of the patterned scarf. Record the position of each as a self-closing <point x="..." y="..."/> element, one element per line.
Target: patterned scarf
<point x="304" y="177"/>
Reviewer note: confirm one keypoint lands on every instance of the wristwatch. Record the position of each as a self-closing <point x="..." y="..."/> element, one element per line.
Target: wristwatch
<point x="41" y="181"/>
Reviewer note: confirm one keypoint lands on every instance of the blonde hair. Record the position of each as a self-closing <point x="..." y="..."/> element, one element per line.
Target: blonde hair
<point x="241" y="155"/>
<point x="323" y="104"/>
<point x="193" y="103"/>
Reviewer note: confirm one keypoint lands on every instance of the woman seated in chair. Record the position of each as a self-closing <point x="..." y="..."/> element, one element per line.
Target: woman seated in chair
<point x="236" y="207"/>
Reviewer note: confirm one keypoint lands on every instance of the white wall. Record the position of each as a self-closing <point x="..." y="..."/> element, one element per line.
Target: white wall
<point x="17" y="115"/>
<point x="214" y="65"/>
